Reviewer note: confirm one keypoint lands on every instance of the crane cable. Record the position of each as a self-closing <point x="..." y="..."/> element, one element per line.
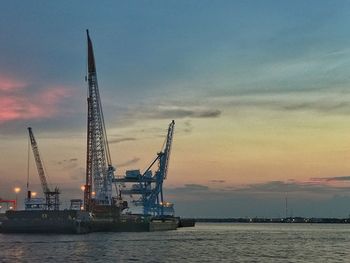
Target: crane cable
<point x="28" y="163"/>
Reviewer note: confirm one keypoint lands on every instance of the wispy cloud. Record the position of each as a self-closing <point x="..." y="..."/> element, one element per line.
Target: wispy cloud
<point x="129" y="162"/>
<point x="119" y="140"/>
<point x="290" y="187"/>
<point x="196" y="187"/>
<point x="188" y="126"/>
<point x="331" y="179"/>
<point x="271" y="188"/>
<point x="176" y="112"/>
<point x="19" y="102"/>
<point x="68" y="161"/>
<point x="217" y="181"/>
<point x="73" y="168"/>
<point x="8" y="84"/>
<point x="172" y="112"/>
<point x="336" y="102"/>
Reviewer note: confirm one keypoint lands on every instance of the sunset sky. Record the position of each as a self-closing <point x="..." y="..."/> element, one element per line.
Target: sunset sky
<point x="259" y="90"/>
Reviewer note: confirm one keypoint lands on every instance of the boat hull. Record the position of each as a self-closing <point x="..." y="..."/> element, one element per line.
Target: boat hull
<point x="80" y="222"/>
<point x="43" y="221"/>
<point x="187" y="222"/>
<point x="133" y="223"/>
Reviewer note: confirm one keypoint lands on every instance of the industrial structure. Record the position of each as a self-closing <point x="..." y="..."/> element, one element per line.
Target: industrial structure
<point x="10" y="203"/>
<point x="149" y="186"/>
<point x="103" y="207"/>
<point x="100" y="177"/>
<point x="99" y="169"/>
<point x="52" y="201"/>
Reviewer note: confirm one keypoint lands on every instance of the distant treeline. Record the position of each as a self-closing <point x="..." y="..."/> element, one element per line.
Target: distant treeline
<point x="275" y="220"/>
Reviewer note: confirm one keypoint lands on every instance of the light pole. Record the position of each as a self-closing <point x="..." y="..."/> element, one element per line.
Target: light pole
<point x="17" y="190"/>
<point x="82" y="189"/>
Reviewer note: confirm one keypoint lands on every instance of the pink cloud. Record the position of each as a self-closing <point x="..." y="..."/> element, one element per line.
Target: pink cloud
<point x="17" y="103"/>
<point x="54" y="95"/>
<point x="10" y="84"/>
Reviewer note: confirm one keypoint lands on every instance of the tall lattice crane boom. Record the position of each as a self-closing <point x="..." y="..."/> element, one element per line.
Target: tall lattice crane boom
<point x="99" y="169"/>
<point x="38" y="161"/>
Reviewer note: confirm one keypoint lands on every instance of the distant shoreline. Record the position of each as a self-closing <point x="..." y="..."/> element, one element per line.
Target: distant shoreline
<point x="275" y="220"/>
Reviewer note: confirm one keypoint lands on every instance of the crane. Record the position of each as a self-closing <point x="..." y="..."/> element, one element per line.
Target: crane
<point x="51" y="197"/>
<point x="150" y="186"/>
<point x="99" y="169"/>
<point x="155" y="200"/>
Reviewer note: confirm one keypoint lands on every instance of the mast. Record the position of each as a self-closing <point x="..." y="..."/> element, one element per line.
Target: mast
<point x="99" y="169"/>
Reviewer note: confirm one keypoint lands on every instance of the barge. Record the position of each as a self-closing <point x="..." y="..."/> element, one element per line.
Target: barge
<point x="80" y="222"/>
<point x="46" y="221"/>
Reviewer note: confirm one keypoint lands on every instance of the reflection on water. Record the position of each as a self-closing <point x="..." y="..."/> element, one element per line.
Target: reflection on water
<point x="204" y="243"/>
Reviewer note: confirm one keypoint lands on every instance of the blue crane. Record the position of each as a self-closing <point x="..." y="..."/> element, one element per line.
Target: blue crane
<point x="150" y="186"/>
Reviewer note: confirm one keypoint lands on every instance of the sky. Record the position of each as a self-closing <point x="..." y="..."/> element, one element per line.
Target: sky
<point x="259" y="91"/>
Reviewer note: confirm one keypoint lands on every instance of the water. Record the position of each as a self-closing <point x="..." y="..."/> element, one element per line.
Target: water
<point x="204" y="243"/>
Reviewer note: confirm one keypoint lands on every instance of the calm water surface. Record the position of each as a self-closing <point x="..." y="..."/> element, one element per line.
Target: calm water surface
<point x="207" y="242"/>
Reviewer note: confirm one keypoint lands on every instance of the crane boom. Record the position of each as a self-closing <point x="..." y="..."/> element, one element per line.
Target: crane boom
<point x="99" y="169"/>
<point x="38" y="161"/>
<point x="155" y="200"/>
<point x="164" y="159"/>
<point x="51" y="197"/>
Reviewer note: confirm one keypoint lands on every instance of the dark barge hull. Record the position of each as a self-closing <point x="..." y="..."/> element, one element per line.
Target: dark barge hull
<point x="59" y="222"/>
<point x="187" y="222"/>
<point x="110" y="219"/>
<point x="80" y="222"/>
<point x="133" y="223"/>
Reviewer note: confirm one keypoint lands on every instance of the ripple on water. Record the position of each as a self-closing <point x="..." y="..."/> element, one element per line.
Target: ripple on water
<point x="204" y="243"/>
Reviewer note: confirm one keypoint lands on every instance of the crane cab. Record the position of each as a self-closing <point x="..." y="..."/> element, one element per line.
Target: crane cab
<point x="34" y="203"/>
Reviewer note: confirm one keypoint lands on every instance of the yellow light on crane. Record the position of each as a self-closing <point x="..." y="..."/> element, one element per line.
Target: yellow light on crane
<point x="82" y="188"/>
